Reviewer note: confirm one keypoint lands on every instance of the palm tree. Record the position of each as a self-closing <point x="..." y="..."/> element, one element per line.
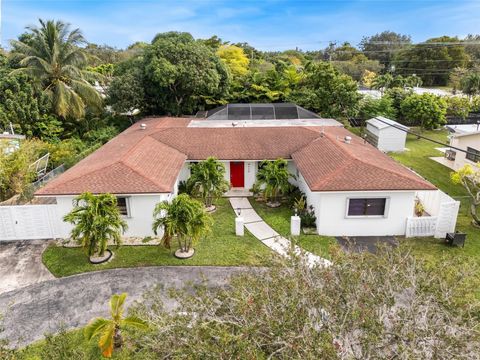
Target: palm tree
<point x="471" y="84"/>
<point x="53" y="58"/>
<point x="109" y="330"/>
<point x="208" y="180"/>
<point x="382" y="82"/>
<point x="273" y="176"/>
<point x="184" y="218"/>
<point x="96" y="220"/>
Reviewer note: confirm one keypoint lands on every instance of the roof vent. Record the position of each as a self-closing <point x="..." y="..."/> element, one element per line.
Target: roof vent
<point x="347" y="139"/>
<point x="143" y="126"/>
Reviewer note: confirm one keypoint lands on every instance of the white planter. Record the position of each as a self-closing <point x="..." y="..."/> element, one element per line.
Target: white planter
<point x="295" y="225"/>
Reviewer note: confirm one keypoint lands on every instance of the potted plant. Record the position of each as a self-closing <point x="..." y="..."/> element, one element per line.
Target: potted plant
<point x="419" y="208"/>
<point x="273" y="177"/>
<point x="184" y="219"/>
<point x="207" y="181"/>
<point x="96" y="221"/>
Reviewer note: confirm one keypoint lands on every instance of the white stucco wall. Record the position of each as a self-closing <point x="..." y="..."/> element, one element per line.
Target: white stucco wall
<point x="140" y="213"/>
<point x="463" y="142"/>
<point x="331" y="212"/>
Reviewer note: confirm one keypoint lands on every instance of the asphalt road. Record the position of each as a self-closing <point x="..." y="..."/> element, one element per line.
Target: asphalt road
<point x="32" y="311"/>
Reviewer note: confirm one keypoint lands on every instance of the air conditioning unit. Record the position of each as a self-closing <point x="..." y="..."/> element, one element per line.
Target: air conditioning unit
<point x="450" y="154"/>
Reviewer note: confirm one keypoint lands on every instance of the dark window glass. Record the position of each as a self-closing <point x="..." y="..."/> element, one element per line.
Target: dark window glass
<point x="239" y="112"/>
<point x="364" y="207"/>
<point x="262" y="112"/>
<point x="122" y="205"/>
<point x="285" y="111"/>
<point x="473" y="154"/>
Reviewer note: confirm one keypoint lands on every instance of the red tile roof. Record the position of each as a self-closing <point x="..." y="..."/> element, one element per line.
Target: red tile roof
<point x="243" y="143"/>
<point x="149" y="160"/>
<point x="330" y="164"/>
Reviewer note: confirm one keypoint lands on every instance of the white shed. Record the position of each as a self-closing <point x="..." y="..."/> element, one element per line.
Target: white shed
<point x="387" y="135"/>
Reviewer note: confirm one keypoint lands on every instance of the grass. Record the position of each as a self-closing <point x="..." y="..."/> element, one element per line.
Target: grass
<point x="418" y="160"/>
<point x="221" y="248"/>
<point x="279" y="220"/>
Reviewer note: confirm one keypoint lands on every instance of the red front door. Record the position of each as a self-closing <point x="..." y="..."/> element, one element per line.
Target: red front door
<point x="237" y="174"/>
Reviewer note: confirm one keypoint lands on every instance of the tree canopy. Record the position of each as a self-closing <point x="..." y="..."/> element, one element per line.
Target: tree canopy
<point x="181" y="74"/>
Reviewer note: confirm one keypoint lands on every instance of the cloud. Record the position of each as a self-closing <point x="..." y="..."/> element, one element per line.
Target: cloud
<point x="268" y="24"/>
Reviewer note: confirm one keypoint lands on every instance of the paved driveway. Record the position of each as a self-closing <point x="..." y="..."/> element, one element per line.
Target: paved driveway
<point x="21" y="264"/>
<point x="34" y="310"/>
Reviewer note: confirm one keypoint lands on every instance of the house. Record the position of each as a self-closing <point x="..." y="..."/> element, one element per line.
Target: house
<point x="467" y="141"/>
<point x="387" y="135"/>
<point x="354" y="188"/>
<point x="10" y="142"/>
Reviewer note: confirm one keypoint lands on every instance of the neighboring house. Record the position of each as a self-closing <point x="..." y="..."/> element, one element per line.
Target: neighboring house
<point x="354" y="188"/>
<point x="10" y="142"/>
<point x="386" y="135"/>
<point x="468" y="141"/>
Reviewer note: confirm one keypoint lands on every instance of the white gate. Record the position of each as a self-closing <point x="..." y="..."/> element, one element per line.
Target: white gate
<point x="443" y="211"/>
<point x="28" y="222"/>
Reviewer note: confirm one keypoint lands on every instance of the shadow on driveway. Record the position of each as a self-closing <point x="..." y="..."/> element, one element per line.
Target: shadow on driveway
<point x="366" y="243"/>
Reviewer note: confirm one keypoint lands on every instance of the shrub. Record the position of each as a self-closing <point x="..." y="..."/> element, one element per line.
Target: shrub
<point x="425" y="110"/>
<point x="307" y="217"/>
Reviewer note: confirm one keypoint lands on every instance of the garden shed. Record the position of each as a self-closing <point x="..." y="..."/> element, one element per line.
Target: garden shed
<point x="385" y="134"/>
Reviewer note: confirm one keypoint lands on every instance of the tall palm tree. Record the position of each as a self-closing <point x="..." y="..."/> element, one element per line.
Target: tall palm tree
<point x="208" y="180"/>
<point x="52" y="56"/>
<point x="273" y="177"/>
<point x="109" y="330"/>
<point x="184" y="218"/>
<point x="96" y="220"/>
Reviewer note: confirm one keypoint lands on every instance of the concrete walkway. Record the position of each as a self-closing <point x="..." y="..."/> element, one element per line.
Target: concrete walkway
<point x="73" y="301"/>
<point x="269" y="237"/>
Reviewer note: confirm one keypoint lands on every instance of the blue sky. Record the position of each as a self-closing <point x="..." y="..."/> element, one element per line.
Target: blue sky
<point x="267" y="24"/>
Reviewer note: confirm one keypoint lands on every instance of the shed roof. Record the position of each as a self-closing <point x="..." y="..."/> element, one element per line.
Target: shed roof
<point x="381" y="122"/>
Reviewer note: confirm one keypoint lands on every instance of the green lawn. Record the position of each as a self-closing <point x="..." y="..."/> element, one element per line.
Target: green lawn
<point x="279" y="220"/>
<point x="418" y="160"/>
<point x="220" y="248"/>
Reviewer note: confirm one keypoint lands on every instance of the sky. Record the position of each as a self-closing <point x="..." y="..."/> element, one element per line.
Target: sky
<point x="266" y="24"/>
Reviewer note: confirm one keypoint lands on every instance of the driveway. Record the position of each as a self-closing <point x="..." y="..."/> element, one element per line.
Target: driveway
<point x="34" y="310"/>
<point x="21" y="264"/>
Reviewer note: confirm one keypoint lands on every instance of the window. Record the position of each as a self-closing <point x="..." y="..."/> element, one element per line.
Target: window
<point x="122" y="204"/>
<point x="473" y="154"/>
<point x="367" y="207"/>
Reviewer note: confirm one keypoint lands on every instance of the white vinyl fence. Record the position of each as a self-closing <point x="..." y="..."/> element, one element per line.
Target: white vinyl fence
<point x="442" y="210"/>
<point x="28" y="222"/>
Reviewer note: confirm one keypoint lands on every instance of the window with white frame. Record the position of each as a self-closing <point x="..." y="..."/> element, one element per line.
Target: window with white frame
<point x="367" y="206"/>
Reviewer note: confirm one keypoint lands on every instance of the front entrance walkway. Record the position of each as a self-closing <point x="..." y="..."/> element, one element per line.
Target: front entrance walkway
<point x="269" y="237"/>
<point x="237" y="192"/>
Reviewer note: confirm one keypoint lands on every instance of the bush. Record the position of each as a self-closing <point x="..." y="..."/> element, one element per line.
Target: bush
<point x="458" y="106"/>
<point x="370" y="108"/>
<point x="307" y="217"/>
<point x="425" y="110"/>
<point x="361" y="305"/>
